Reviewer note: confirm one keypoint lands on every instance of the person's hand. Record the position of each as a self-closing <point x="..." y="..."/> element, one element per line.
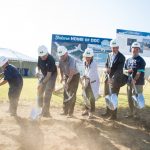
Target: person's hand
<point x="107" y="70"/>
<point x="37" y="75"/>
<point x="130" y="71"/>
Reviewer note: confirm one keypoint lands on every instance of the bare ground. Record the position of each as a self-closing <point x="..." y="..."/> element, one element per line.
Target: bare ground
<point x="78" y="133"/>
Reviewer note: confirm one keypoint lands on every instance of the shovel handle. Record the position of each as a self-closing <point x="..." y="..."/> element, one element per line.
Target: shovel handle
<point x="110" y="91"/>
<point x="133" y="84"/>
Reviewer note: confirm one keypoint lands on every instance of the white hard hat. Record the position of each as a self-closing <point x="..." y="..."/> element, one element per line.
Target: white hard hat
<point x="61" y="50"/>
<point x="42" y="50"/>
<point x="88" y="52"/>
<point x="3" y="60"/>
<point x="135" y="44"/>
<point x="114" y="43"/>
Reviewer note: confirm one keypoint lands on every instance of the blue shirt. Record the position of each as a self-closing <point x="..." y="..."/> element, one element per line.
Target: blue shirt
<point x="137" y="64"/>
<point x="12" y="75"/>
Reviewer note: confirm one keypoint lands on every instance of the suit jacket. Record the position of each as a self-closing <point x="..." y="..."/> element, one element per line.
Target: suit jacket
<point x="116" y="67"/>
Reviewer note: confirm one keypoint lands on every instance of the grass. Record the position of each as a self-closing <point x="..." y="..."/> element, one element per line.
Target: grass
<point x="30" y="86"/>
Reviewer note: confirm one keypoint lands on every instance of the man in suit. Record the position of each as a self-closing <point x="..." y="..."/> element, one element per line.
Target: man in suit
<point x="114" y="67"/>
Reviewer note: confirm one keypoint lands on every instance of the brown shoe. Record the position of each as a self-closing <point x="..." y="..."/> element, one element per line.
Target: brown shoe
<point x="85" y="112"/>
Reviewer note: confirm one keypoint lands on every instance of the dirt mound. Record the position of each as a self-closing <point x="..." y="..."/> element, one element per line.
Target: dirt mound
<point x="62" y="133"/>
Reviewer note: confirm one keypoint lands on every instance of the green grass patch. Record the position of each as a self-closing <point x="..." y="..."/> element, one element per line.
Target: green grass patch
<point x="30" y="89"/>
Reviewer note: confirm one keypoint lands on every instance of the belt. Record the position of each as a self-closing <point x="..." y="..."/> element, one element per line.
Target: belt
<point x="93" y="81"/>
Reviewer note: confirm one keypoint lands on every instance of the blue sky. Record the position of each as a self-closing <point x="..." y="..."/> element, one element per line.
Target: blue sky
<point x="26" y="24"/>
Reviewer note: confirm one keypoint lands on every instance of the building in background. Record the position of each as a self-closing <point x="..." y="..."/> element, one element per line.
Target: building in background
<point x="25" y="64"/>
<point x="125" y="39"/>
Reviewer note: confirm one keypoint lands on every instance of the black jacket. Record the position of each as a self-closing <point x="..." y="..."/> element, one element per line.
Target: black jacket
<point x="116" y="68"/>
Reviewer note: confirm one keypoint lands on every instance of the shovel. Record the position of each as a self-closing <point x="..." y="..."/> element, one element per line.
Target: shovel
<point x="85" y="99"/>
<point x="137" y="98"/>
<point x="111" y="99"/>
<point x="68" y="95"/>
<point x="36" y="111"/>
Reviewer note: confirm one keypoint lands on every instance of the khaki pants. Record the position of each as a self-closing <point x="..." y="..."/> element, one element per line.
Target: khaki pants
<point x="91" y="98"/>
<point x="130" y="92"/>
<point x="44" y="95"/>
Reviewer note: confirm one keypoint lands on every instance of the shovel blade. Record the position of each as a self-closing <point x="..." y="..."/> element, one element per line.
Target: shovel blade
<point x="112" y="101"/>
<point x="35" y="113"/>
<point x="86" y="101"/>
<point x="139" y="100"/>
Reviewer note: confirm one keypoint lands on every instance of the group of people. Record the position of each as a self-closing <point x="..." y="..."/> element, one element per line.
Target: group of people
<point x="121" y="72"/>
<point x="115" y="66"/>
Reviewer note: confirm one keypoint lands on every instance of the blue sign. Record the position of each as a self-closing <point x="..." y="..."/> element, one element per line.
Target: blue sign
<point x="130" y="32"/>
<point x="80" y="39"/>
<point x="76" y="46"/>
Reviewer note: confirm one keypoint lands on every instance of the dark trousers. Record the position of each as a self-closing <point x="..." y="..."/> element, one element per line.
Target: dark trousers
<point x="115" y="89"/>
<point x="13" y="95"/>
<point x="91" y="98"/>
<point x="68" y="106"/>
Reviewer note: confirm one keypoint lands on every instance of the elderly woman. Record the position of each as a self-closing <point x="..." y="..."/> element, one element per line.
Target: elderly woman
<point x="90" y="82"/>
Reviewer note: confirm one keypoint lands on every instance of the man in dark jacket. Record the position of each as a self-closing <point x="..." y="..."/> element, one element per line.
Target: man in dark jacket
<point x="13" y="77"/>
<point x="114" y="67"/>
<point x="46" y="64"/>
